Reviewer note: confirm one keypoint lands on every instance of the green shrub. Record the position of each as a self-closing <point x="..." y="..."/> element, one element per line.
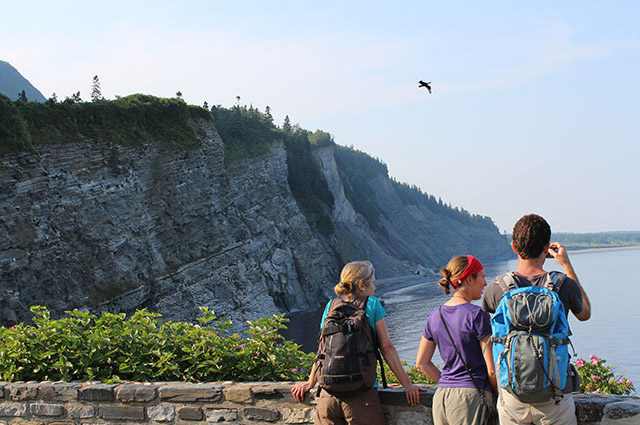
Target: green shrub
<point x="416" y="375"/>
<point x="595" y="377"/>
<point x="112" y="348"/>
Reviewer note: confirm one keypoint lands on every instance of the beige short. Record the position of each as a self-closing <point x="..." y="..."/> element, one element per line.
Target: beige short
<point x="513" y="411"/>
<point x="363" y="409"/>
<point x="458" y="406"/>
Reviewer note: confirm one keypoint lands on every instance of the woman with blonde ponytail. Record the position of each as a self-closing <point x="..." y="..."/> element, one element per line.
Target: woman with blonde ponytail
<point x="461" y="331"/>
<point x="357" y="283"/>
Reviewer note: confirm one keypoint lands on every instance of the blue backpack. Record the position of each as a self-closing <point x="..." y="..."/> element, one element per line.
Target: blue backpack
<point x="530" y="340"/>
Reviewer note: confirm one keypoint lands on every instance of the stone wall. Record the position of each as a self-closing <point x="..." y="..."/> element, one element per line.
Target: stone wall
<point x="63" y="403"/>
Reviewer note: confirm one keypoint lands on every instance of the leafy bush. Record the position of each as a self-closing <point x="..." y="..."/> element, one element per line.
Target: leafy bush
<point x="112" y="348"/>
<point x="415" y="374"/>
<point x="595" y="377"/>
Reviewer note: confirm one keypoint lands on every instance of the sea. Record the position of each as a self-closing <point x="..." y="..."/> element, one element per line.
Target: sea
<point x="607" y="275"/>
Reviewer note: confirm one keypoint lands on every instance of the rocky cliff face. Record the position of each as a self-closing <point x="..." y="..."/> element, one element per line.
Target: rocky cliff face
<point x="159" y="226"/>
<point x="170" y="228"/>
<point x="412" y="238"/>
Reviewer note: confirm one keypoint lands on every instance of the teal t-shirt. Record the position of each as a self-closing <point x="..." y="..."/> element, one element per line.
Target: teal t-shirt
<point x="374" y="312"/>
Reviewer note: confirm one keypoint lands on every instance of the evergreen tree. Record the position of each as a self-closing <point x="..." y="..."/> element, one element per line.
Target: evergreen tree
<point x="205" y="105"/>
<point x="267" y="114"/>
<point x="53" y="98"/>
<point x="22" y="96"/>
<point x="179" y="94"/>
<point x="286" y="127"/>
<point x="76" y="97"/>
<point x="96" y="93"/>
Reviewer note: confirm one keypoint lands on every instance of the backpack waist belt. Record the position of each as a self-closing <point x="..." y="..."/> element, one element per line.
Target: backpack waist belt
<point x="342" y="379"/>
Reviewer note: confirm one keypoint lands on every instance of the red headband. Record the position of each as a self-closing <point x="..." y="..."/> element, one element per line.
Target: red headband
<point x="473" y="267"/>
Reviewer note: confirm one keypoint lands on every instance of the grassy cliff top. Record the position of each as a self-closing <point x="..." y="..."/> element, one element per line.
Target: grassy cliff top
<point x="133" y="119"/>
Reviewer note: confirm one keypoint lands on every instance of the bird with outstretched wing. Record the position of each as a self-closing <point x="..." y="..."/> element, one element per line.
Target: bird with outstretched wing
<point x="425" y="85"/>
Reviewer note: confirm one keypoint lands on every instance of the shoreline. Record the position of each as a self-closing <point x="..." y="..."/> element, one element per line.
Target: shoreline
<point x="603" y="249"/>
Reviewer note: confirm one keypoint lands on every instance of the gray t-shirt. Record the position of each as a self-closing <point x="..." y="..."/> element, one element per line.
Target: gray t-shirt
<point x="570" y="293"/>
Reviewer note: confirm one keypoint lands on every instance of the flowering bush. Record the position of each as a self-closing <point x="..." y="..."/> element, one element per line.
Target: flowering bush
<point x="595" y="377"/>
<point x="112" y="348"/>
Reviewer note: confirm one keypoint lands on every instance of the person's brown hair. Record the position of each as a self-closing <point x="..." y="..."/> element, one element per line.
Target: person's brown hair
<point x="452" y="272"/>
<point x="352" y="274"/>
<point x="530" y="235"/>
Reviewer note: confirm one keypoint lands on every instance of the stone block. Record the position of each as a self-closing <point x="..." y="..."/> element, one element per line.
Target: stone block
<point x="221" y="415"/>
<point x="239" y="394"/>
<point x="47" y="409"/>
<point x="22" y="391"/>
<point x="274" y="392"/>
<point x="303" y="415"/>
<point x="59" y="391"/>
<point x="9" y="409"/>
<point x="121" y="413"/>
<point x="161" y="413"/>
<point x="623" y="410"/>
<point x="261" y="414"/>
<point x="190" y="414"/>
<point x="97" y="392"/>
<point x="128" y="393"/>
<point x="81" y="411"/>
<point x="590" y="407"/>
<point x="190" y="392"/>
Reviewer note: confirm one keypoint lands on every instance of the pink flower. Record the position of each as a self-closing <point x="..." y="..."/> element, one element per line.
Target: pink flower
<point x="595" y="360"/>
<point x="630" y="382"/>
<point x="579" y="363"/>
<point x="595" y="378"/>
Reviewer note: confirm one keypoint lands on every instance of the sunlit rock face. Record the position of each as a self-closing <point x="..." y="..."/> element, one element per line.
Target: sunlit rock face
<point x="161" y="226"/>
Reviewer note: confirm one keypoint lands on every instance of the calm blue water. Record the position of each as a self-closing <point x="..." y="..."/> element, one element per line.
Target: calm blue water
<point x="607" y="276"/>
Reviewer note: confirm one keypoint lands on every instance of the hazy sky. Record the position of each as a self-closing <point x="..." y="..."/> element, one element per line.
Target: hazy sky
<point x="535" y="105"/>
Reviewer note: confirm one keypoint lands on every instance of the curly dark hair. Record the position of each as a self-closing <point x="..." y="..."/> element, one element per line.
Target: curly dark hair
<point x="531" y="234"/>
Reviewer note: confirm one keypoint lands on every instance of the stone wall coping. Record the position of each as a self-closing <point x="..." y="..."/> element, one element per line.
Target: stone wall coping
<point x="211" y="402"/>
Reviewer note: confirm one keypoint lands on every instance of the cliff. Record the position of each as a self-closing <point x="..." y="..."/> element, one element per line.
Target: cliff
<point x="171" y="227"/>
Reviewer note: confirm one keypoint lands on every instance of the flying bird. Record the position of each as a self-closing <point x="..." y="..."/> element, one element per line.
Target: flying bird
<point x="425" y="85"/>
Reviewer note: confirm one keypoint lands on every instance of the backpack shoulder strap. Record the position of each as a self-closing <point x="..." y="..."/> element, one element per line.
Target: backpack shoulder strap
<point x="507" y="282"/>
<point x="554" y="281"/>
<point x="557" y="280"/>
<point x="376" y="343"/>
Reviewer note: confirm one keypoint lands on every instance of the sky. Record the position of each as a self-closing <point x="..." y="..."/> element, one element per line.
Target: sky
<point x="534" y="105"/>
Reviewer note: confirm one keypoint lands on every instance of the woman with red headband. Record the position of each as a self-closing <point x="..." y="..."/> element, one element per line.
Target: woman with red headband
<point x="461" y="331"/>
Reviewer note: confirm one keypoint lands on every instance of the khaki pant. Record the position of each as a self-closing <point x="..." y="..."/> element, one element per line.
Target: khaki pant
<point x="363" y="409"/>
<point x="458" y="406"/>
<point x="514" y="412"/>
